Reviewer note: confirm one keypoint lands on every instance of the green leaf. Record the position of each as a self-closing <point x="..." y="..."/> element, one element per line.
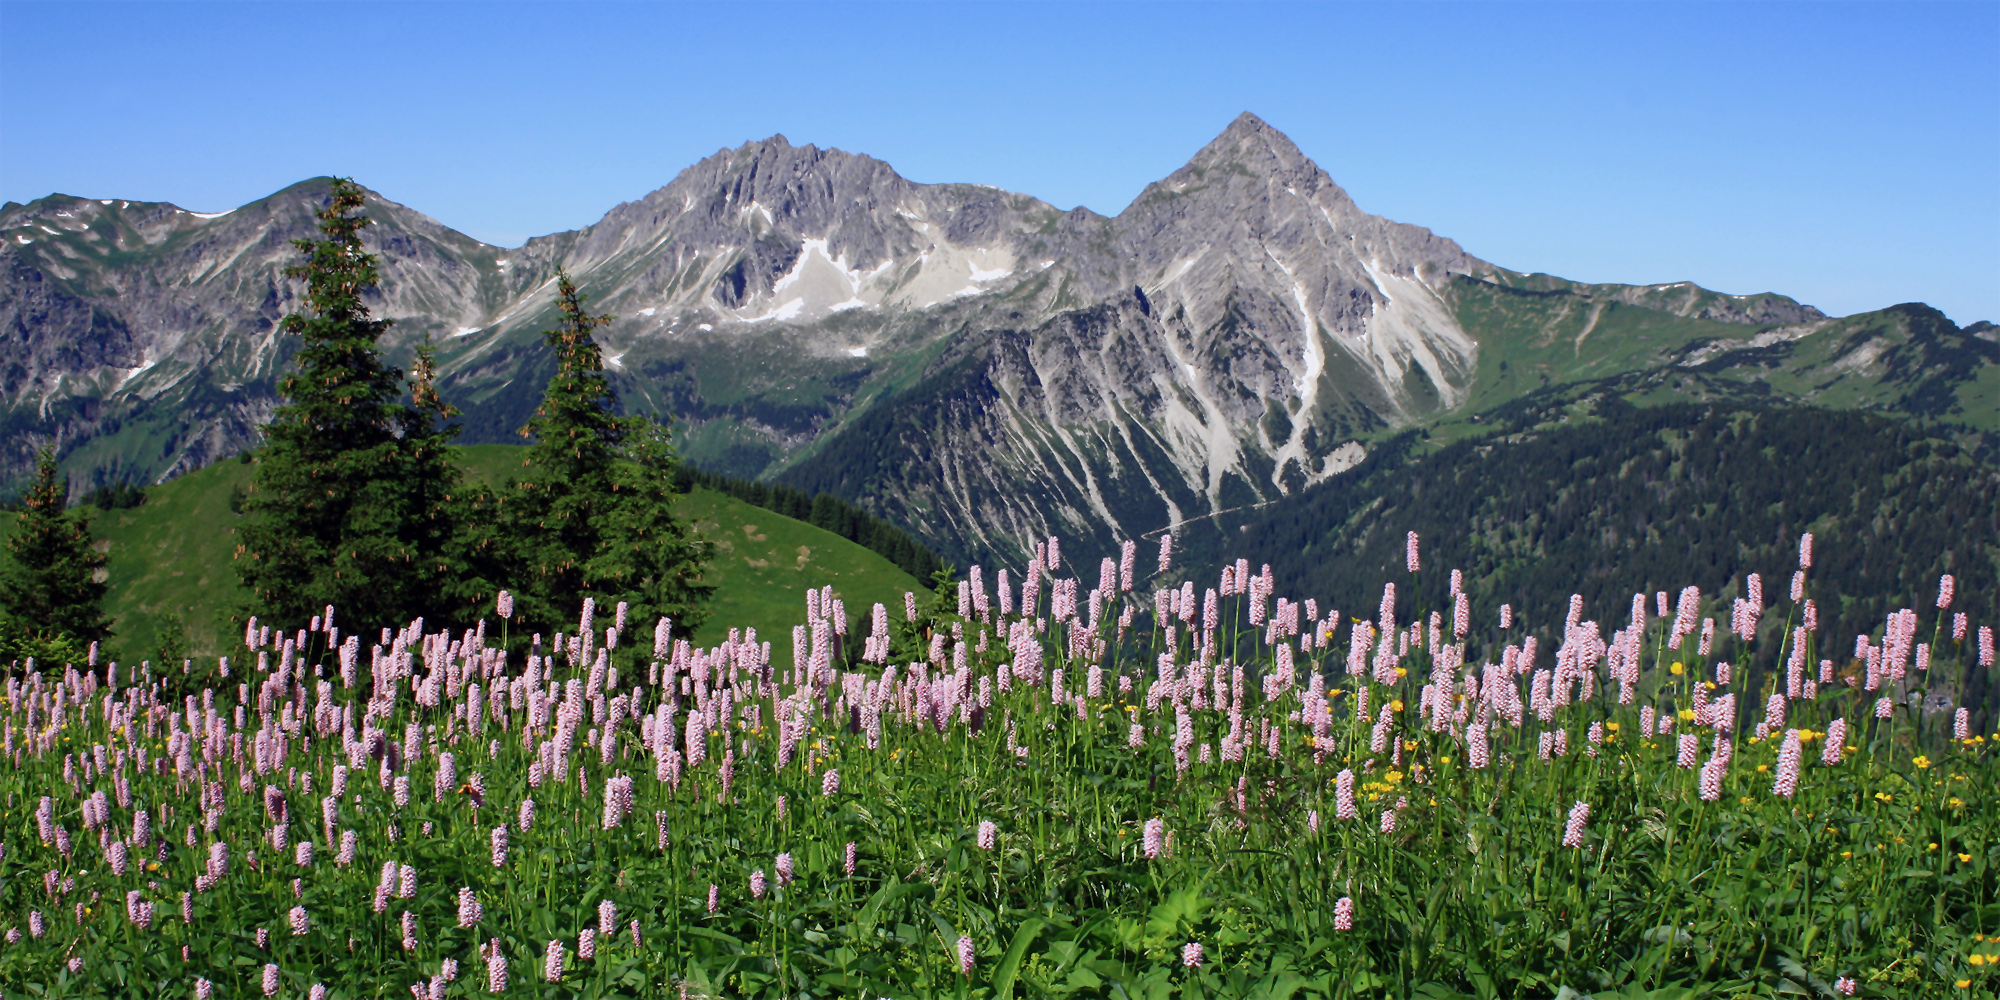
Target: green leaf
<point x="1010" y="963"/>
<point x="871" y="912"/>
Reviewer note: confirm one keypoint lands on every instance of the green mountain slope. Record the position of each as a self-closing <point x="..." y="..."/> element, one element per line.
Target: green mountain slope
<point x="1908" y="360"/>
<point x="172" y="556"/>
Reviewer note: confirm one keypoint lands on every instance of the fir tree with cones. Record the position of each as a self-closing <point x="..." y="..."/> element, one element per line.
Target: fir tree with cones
<point x="51" y="600"/>
<point x="594" y="514"/>
<point x="355" y="500"/>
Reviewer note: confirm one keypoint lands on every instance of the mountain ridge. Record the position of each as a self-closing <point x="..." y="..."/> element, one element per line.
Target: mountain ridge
<point x="1240" y="331"/>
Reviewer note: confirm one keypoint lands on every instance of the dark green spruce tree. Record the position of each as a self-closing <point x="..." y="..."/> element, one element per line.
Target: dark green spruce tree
<point x="52" y="601"/>
<point x="351" y="505"/>
<point x="594" y="514"/>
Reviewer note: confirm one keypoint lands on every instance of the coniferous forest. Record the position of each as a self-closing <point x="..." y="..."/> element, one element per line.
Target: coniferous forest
<point x="1612" y="500"/>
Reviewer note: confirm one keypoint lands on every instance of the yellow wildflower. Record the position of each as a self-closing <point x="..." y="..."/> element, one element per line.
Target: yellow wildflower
<point x="1922" y="762"/>
<point x="1677" y="669"/>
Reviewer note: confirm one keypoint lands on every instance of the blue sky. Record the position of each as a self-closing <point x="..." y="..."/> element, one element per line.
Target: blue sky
<point x="1846" y="154"/>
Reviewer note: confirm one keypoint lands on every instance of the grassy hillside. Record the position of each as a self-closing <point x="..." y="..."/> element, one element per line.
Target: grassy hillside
<point x="763" y="562"/>
<point x="172" y="556"/>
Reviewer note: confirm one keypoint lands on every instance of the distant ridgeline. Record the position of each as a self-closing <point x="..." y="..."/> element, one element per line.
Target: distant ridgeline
<point x="1608" y="499"/>
<point x="827" y="512"/>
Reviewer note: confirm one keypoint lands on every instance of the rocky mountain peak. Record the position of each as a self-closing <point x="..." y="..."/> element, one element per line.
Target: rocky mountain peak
<point x="1251" y="142"/>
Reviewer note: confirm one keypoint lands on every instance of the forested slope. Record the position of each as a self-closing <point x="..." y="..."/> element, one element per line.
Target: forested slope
<point x="1604" y="498"/>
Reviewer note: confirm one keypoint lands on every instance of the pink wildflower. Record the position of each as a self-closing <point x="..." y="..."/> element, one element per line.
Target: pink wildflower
<point x="1711" y="778"/>
<point x="1579" y="815"/>
<point x="496" y="968"/>
<point x="1787" y="781"/>
<point x="1836" y="740"/>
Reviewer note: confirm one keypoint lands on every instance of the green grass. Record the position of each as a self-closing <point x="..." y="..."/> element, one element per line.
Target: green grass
<point x="173" y="555"/>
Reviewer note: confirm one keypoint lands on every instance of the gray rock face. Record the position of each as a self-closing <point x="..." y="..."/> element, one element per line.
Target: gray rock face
<point x="977" y="365"/>
<point x="147" y="334"/>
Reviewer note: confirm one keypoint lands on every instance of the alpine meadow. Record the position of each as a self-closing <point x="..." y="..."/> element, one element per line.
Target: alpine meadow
<point x="809" y="583"/>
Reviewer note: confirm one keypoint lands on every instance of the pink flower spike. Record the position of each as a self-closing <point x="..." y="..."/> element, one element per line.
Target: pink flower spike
<point x="1579" y="816"/>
